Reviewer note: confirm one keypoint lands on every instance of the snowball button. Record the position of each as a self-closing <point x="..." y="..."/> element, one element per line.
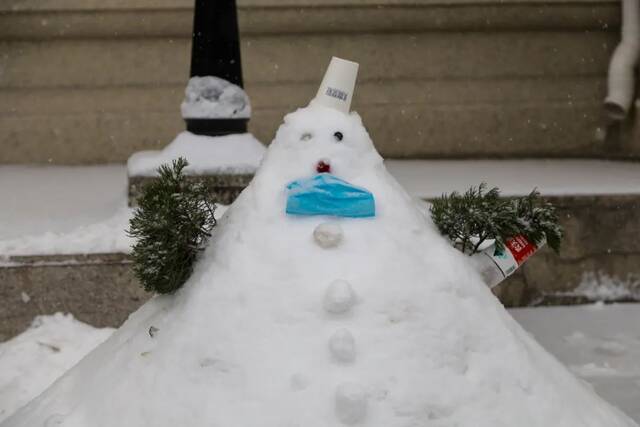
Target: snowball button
<point x="342" y="346"/>
<point x="328" y="235"/>
<point x="351" y="403"/>
<point x="339" y="297"/>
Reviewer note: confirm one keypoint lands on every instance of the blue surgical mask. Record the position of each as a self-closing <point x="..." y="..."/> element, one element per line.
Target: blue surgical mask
<point x="325" y="194"/>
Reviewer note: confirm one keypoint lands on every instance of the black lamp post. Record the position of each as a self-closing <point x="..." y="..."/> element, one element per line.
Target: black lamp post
<point x="215" y="52"/>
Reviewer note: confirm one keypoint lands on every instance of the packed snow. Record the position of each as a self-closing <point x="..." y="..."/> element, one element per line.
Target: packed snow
<point x="32" y="361"/>
<point x="238" y="153"/>
<point x="210" y="97"/>
<point x="241" y="346"/>
<point x="599" y="343"/>
<point x="107" y="236"/>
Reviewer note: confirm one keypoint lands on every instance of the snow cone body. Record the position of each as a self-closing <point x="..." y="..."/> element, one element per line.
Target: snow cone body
<point x="322" y="321"/>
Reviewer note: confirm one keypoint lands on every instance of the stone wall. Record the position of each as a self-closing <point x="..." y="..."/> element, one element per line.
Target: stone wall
<point x="88" y="81"/>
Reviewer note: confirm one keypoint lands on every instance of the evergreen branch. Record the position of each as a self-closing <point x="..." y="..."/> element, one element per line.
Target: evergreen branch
<point x="480" y="214"/>
<point x="171" y="226"/>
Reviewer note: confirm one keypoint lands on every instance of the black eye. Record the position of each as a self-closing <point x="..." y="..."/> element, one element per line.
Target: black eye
<point x="338" y="136"/>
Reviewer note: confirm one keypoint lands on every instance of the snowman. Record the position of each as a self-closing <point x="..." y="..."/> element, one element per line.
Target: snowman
<point x="325" y="298"/>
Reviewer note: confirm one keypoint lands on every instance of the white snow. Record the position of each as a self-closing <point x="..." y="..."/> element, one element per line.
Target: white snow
<point x="210" y="97"/>
<point x="434" y="345"/>
<point x="30" y="362"/>
<point x="342" y="345"/>
<point x="431" y="178"/>
<point x="351" y="403"/>
<point x="599" y="286"/>
<point x="108" y="236"/>
<point x="599" y="342"/>
<point x="239" y="153"/>
<point x="58" y="199"/>
<point x="25" y="297"/>
<point x="63" y="210"/>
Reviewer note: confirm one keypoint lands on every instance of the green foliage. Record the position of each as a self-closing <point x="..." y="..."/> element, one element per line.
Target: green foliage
<point x="171" y="225"/>
<point x="471" y="218"/>
<point x="538" y="220"/>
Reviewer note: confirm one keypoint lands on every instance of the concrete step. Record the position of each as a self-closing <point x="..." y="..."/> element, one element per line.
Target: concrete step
<point x="269" y="59"/>
<point x="405" y="119"/>
<point x="92" y="83"/>
<point x="597" y="202"/>
<point x="97" y="288"/>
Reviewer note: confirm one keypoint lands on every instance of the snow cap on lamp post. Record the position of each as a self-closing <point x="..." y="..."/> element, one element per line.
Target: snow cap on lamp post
<point x="338" y="84"/>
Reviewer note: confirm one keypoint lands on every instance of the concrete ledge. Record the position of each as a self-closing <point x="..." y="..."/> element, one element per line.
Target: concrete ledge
<point x="98" y="289"/>
<point x="223" y="187"/>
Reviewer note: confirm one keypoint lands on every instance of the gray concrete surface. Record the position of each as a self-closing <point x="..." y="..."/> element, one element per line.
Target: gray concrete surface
<point x="98" y="289"/>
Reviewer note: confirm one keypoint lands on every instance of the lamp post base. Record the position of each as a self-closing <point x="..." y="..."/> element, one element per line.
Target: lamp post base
<point x="216" y="127"/>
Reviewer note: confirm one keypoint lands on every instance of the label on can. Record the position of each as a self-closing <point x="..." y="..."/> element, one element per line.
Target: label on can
<point x="504" y="259"/>
<point x="516" y="251"/>
<point x="520" y="248"/>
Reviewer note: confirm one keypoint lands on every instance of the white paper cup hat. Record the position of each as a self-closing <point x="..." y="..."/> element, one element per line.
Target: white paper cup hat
<point x="338" y="84"/>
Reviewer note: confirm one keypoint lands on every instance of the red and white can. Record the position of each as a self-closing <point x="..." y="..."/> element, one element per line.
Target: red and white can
<point x="496" y="265"/>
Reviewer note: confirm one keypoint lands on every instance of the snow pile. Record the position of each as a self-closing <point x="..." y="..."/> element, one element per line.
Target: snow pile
<point x="599" y="342"/>
<point x="211" y="97"/>
<point x="239" y="153"/>
<point x="30" y="362"/>
<point x="387" y="326"/>
<point x="108" y="236"/>
<point x="602" y="287"/>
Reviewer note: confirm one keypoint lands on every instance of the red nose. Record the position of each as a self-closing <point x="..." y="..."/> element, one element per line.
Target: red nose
<point x="323" y="166"/>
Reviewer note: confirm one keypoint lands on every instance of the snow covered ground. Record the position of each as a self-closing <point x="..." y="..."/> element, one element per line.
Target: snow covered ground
<point x="239" y="154"/>
<point x="58" y="199"/>
<point x="600" y="343"/>
<point x="30" y="362"/>
<point x="83" y="209"/>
